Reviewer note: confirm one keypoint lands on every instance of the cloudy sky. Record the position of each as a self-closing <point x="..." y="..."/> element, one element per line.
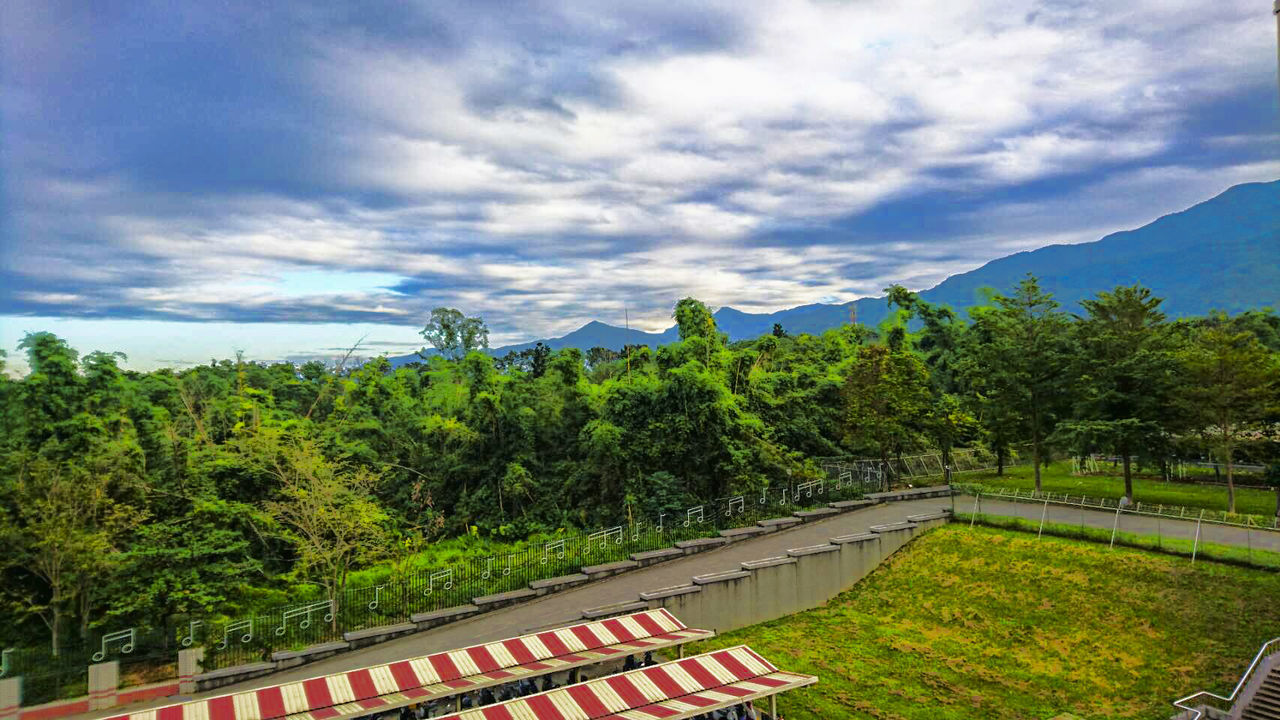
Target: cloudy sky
<point x="180" y="180"/>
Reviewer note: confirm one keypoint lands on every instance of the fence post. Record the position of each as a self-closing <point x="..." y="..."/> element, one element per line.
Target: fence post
<point x="1196" y="545"/>
<point x="10" y="698"/>
<point x="190" y="664"/>
<point x="104" y="681"/>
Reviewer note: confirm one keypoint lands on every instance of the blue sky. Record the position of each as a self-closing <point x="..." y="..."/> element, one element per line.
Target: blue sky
<point x="182" y="180"/>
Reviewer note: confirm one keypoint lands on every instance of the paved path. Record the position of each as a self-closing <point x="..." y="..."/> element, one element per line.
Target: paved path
<point x="566" y="607"/>
<point x="1258" y="539"/>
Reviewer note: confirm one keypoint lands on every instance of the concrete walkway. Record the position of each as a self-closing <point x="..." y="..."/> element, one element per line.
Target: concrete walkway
<point x="1257" y="538"/>
<point x="566" y="607"/>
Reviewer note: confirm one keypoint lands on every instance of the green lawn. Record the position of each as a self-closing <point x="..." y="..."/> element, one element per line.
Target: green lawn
<point x="1058" y="478"/>
<point x="988" y="623"/>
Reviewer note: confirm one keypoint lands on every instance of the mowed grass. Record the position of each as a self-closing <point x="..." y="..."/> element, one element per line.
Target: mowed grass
<point x="1058" y="478"/>
<point x="988" y="623"/>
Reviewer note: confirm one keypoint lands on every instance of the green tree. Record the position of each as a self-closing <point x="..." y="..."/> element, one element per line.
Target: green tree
<point x="63" y="527"/>
<point x="886" y="394"/>
<point x="1230" y="385"/>
<point x="1024" y="349"/>
<point x="1126" y="373"/>
<point x="455" y="334"/>
<point x="327" y="511"/>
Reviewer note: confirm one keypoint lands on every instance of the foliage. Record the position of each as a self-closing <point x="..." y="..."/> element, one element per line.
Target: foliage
<point x="995" y="624"/>
<point x="234" y="485"/>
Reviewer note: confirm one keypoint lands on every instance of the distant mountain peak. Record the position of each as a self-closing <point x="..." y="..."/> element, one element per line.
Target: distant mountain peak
<point x="1220" y="254"/>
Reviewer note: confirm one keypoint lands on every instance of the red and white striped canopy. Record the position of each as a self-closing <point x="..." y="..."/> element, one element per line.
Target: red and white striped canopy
<point x="444" y="674"/>
<point x="681" y="689"/>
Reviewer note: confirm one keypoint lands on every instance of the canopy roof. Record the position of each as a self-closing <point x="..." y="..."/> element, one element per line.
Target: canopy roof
<point x="382" y="687"/>
<point x="671" y="691"/>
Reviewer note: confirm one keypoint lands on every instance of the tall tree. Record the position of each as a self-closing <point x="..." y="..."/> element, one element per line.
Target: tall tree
<point x="1126" y="372"/>
<point x="455" y="334"/>
<point x="1231" y="383"/>
<point x="328" y="512"/>
<point x="886" y="394"/>
<point x="1025" y="352"/>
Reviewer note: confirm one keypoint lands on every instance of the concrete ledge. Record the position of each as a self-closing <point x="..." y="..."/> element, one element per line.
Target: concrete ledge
<point x="925" y="517"/>
<point x="854" y="538"/>
<point x="651" y="557"/>
<point x="556" y="584"/>
<point x="374" y="635"/>
<point x="605" y="611"/>
<point x="767" y="562"/>
<point x="689" y="547"/>
<point x="595" y="572"/>
<point x="724" y="576"/>
<point x="669" y="592"/>
<point x="743" y="533"/>
<point x="852" y="504"/>
<point x="913" y="493"/>
<point x="489" y="602"/>
<point x="779" y="523"/>
<point x="231" y="675"/>
<point x="812" y="550"/>
<point x="893" y="527"/>
<point x="292" y="658"/>
<point x="820" y="513"/>
<point x="440" y="617"/>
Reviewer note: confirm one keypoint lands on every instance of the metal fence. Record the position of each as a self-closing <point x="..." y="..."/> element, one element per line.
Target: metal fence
<point x="900" y="469"/>
<point x="1193" y="532"/>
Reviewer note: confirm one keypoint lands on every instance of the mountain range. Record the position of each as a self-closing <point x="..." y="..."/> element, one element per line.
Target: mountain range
<point x="1221" y="254"/>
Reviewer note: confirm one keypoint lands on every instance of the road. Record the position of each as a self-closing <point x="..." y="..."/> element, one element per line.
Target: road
<point x="1258" y="539"/>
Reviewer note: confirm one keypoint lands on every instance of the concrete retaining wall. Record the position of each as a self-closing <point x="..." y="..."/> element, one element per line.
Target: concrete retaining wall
<point x="770" y="588"/>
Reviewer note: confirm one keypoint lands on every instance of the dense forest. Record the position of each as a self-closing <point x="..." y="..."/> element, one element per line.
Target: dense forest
<point x="130" y="497"/>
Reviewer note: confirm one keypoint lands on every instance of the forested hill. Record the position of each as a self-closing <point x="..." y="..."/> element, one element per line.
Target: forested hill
<point x="1222" y="254"/>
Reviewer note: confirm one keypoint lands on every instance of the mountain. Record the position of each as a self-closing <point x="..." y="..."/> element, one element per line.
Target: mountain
<point x="1222" y="254"/>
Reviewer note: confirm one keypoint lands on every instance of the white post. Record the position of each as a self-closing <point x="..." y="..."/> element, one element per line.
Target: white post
<point x="190" y="664"/>
<point x="10" y="698"/>
<point x="1043" y="513"/>
<point x="974" y="516"/>
<point x="1115" y="526"/>
<point x="1196" y="545"/>
<point x="104" y="681"/>
<point x="773" y="707"/>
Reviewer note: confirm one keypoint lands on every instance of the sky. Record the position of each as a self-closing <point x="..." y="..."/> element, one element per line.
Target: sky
<point x="180" y="181"/>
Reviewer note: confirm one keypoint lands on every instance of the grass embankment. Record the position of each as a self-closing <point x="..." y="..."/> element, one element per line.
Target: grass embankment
<point x="1058" y="478"/>
<point x="988" y="623"/>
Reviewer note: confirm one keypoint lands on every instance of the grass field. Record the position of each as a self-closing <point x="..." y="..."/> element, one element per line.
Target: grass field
<point x="987" y="623"/>
<point x="1058" y="478"/>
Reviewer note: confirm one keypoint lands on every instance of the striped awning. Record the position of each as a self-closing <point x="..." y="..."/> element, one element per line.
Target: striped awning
<point x="384" y="687"/>
<point x="671" y="691"/>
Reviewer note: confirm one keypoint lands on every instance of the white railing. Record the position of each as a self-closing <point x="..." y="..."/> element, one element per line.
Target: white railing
<point x="1181" y="703"/>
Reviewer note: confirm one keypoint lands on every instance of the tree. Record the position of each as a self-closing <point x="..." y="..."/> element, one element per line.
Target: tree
<point x="1230" y="384"/>
<point x="328" y="513"/>
<point x="886" y="394"/>
<point x="1125" y="370"/>
<point x="455" y="334"/>
<point x="1025" y="351"/>
<point x="63" y="527"/>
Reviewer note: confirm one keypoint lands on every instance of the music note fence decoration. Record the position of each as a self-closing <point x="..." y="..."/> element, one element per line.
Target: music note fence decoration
<point x="688" y="516"/>
<point x="126" y="647"/>
<point x="738" y="503"/>
<point x="191" y="633"/>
